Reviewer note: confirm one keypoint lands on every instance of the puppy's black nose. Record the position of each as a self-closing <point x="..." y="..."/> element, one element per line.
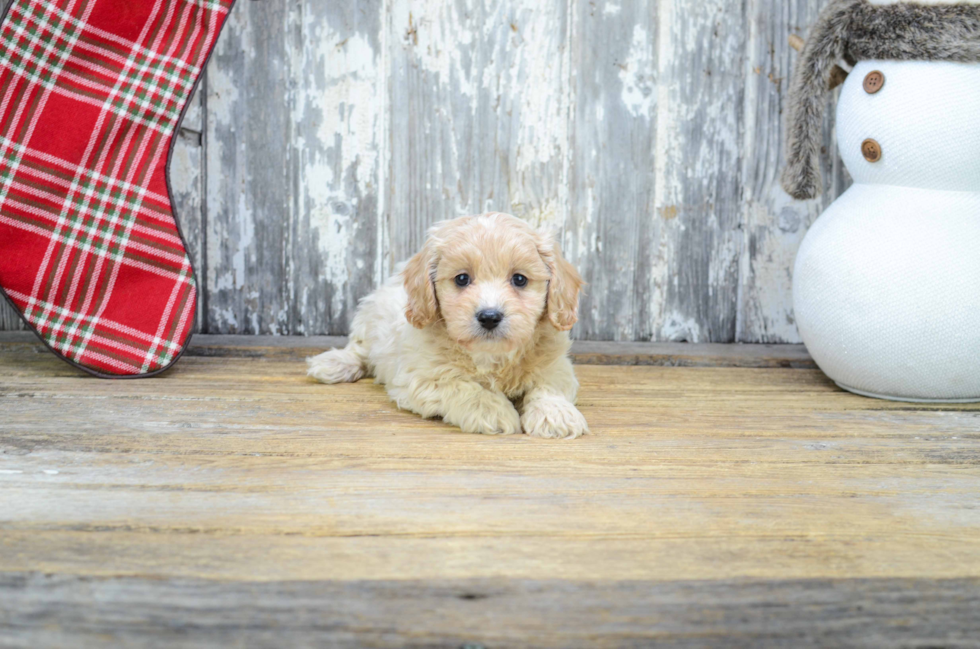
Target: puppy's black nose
<point x="489" y="318"/>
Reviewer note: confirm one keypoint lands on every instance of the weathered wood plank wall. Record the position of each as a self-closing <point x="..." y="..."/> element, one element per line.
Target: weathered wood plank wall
<point x="329" y="135"/>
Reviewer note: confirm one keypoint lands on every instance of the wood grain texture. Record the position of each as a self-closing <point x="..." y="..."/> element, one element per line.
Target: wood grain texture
<point x="773" y="225"/>
<point x="756" y="505"/>
<point x="477" y="113"/>
<point x="9" y="320"/>
<point x="58" y="610"/>
<point x="293" y="137"/>
<point x="610" y="234"/>
<point x="646" y="133"/>
<point x="699" y="118"/>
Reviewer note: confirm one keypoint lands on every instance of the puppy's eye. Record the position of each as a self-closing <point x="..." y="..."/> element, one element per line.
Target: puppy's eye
<point x="462" y="280"/>
<point x="519" y="280"/>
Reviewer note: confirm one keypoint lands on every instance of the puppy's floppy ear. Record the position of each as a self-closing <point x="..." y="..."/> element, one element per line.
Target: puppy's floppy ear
<point x="422" y="309"/>
<point x="564" y="287"/>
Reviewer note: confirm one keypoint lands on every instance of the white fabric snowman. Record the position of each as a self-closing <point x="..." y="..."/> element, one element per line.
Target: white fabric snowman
<point x="886" y="287"/>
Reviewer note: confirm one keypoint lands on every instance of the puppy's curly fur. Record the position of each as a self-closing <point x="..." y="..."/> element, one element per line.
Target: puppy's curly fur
<point x="421" y="334"/>
<point x="856" y="30"/>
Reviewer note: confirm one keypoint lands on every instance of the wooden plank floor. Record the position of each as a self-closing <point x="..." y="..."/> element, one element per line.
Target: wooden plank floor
<point x="234" y="502"/>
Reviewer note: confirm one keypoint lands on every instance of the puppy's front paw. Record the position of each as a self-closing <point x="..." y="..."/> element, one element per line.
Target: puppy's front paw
<point x="491" y="414"/>
<point x="336" y="366"/>
<point x="553" y="418"/>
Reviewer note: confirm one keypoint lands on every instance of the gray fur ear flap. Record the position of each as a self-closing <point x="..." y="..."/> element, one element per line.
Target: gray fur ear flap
<point x="825" y="46"/>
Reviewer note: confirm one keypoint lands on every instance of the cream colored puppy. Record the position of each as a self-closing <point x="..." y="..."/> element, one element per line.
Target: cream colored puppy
<point x="474" y="330"/>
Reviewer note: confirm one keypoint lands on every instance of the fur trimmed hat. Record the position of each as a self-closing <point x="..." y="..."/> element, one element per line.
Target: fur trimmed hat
<point x="855" y="30"/>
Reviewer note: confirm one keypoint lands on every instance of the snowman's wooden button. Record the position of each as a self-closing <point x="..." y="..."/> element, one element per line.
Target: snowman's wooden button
<point x="871" y="150"/>
<point x="874" y="82"/>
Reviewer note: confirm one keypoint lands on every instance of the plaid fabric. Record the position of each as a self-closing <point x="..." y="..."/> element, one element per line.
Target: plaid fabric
<point x="91" y="93"/>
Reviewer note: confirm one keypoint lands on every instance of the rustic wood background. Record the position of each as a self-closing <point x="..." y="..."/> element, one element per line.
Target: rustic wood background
<point x="328" y="134"/>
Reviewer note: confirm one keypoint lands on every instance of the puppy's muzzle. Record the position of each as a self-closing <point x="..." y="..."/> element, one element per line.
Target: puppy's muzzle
<point x="489" y="319"/>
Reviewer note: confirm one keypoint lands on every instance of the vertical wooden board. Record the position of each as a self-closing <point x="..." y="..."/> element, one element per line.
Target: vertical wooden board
<point x="187" y="184"/>
<point x="338" y="115"/>
<point x="698" y="176"/>
<point x="294" y="155"/>
<point x="775" y="224"/>
<point x="478" y="113"/>
<point x="611" y="235"/>
<point x="247" y="162"/>
<point x="9" y="320"/>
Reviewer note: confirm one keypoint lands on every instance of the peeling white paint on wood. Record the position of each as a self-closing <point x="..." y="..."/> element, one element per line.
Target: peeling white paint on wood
<point x="610" y="232"/>
<point x="692" y="291"/>
<point x="294" y="138"/>
<point x="477" y="113"/>
<point x="773" y="224"/>
<point x="646" y="133"/>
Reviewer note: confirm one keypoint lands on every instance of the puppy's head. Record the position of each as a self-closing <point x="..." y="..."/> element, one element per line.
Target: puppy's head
<point x="492" y="279"/>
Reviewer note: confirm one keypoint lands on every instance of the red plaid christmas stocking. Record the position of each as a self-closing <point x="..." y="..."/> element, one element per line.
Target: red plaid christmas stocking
<point x="91" y="95"/>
